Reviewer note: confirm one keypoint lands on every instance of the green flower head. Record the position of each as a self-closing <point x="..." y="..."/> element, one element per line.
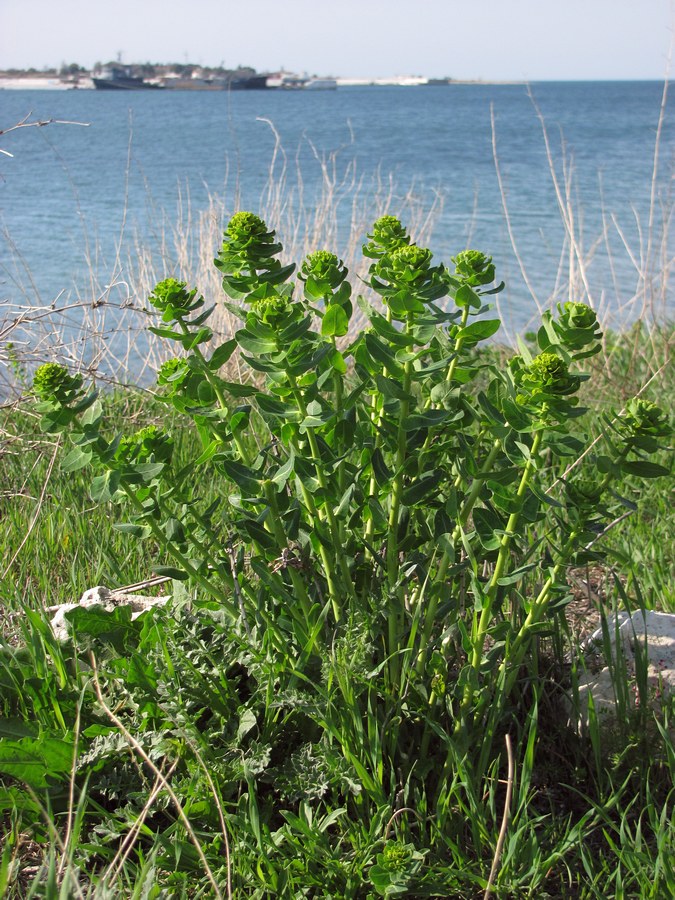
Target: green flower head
<point x="387" y="234"/>
<point x="548" y="369"/>
<point x="245" y="227"/>
<point x="324" y="268"/>
<point x="388" y="228"/>
<point x="171" y="293"/>
<point x="248" y="246"/>
<point x="474" y="267"/>
<point x="579" y="315"/>
<point x="409" y="263"/>
<point x="396" y="856"/>
<point x="644" y="418"/>
<point x="545" y="382"/>
<point x="584" y="493"/>
<point x="149" y="444"/>
<point x="173" y="372"/>
<point x="53" y="382"/>
<point x="274" y="311"/>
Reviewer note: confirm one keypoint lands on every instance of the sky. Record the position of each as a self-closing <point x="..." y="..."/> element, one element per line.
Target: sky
<point x="529" y="40"/>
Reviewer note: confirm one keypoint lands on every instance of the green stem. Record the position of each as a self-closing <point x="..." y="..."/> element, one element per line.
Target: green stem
<point x="453" y="362"/>
<point x="329" y="515"/>
<point x="514" y="656"/>
<point x="446" y="559"/>
<point x="375" y="414"/>
<point x="396" y="601"/>
<point x="282" y="543"/>
<point x="184" y="563"/>
<point x="499" y="569"/>
<point x="218" y="391"/>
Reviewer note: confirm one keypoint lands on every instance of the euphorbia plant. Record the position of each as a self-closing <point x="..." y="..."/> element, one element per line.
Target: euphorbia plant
<point x="395" y="488"/>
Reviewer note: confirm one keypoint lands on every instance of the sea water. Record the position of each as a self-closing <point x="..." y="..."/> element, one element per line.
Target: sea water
<point x="72" y="195"/>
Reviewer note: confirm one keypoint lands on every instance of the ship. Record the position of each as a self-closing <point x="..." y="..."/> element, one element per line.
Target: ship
<point x="117" y="78"/>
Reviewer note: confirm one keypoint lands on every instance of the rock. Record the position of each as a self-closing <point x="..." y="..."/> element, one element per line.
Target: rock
<point x="645" y="638"/>
<point x="107" y="600"/>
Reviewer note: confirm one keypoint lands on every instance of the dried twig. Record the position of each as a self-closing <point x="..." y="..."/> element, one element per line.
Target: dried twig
<point x="134" y="744"/>
<point x="38" y="123"/>
<point x="505" y="819"/>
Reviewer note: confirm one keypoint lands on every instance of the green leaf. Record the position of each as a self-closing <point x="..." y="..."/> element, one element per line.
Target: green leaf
<point x="487" y="523"/>
<point x="390" y="389"/>
<point x="422" y="488"/>
<point x="644" y="469"/>
<point x="171" y="572"/>
<point x="389" y="331"/>
<point x="14" y="728"/>
<point x="284" y="472"/>
<point x="193" y="340"/>
<point x="241" y="475"/>
<point x="345" y="500"/>
<point x="381" y="471"/>
<point x="466" y="297"/>
<point x="479" y="331"/>
<point x="92" y="414"/>
<point x="254" y="344"/>
<point x="338" y="363"/>
<point x="35" y="760"/>
<point x="76" y="459"/>
<point x="517" y="574"/>
<point x="148" y="471"/>
<point x="335" y="322"/>
<point x="515" y="415"/>
<point x="137" y="531"/>
<point x="381" y="353"/>
<point x="222" y="354"/>
<point x="112" y="627"/>
<point x="428" y="419"/>
<point x="104" y="487"/>
<point x="247" y="721"/>
<point x="166" y="333"/>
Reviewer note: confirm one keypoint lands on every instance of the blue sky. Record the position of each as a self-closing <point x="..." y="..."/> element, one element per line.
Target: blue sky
<point x="491" y="39"/>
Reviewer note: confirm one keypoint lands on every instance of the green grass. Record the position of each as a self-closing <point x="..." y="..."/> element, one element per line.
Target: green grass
<point x="182" y="686"/>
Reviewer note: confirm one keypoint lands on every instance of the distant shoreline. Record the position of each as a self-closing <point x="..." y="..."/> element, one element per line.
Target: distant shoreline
<point x="84" y="80"/>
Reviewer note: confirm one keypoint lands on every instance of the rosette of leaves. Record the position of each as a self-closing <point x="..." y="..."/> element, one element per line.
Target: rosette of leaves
<point x="61" y="397"/>
<point x="395" y="869"/>
<point x="54" y="382"/>
<point x="473" y="271"/>
<point x="248" y="258"/>
<point x="574" y="335"/>
<point x="176" y="304"/>
<point x="406" y="280"/>
<point x="474" y="268"/>
<point x="324" y="277"/>
<point x="388" y="234"/>
<point x="641" y="430"/>
<point x="545" y="387"/>
<point x="148" y="444"/>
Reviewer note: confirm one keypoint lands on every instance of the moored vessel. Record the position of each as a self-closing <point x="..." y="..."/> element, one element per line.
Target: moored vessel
<point x="116" y="78"/>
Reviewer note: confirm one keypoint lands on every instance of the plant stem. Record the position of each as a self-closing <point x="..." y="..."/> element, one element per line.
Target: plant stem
<point x="395" y="601"/>
<point x="499" y="569"/>
<point x="282" y="542"/>
<point x="218" y="391"/>
<point x="446" y="559"/>
<point x="328" y="563"/>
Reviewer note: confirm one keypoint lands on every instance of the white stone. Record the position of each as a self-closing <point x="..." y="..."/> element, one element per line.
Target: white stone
<point x="107" y="600"/>
<point x="645" y="637"/>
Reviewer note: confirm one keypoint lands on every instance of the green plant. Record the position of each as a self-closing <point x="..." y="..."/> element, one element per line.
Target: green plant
<point x="388" y="538"/>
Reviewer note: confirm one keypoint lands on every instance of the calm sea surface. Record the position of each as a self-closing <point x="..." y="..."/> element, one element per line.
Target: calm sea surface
<point x="67" y="188"/>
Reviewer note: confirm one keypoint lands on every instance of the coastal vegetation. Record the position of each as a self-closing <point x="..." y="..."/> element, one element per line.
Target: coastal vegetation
<point x="384" y="528"/>
<point x="374" y="531"/>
